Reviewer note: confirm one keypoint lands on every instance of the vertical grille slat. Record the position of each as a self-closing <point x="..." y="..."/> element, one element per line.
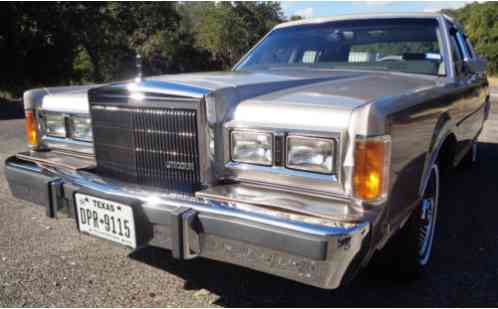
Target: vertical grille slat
<point x="161" y="149"/>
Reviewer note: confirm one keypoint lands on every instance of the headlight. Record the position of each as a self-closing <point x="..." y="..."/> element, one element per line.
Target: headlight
<point x="81" y="128"/>
<point x="55" y="124"/>
<point x="252" y="147"/>
<point x="310" y="154"/>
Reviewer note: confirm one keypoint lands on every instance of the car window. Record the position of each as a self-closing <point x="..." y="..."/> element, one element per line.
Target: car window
<point x="466" y="46"/>
<point x="455" y="48"/>
<point x="404" y="45"/>
<point x="470" y="48"/>
<point x="462" y="44"/>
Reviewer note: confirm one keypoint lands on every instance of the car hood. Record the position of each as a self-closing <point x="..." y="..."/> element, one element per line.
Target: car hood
<point x="295" y="96"/>
<point x="326" y="103"/>
<point x="360" y="86"/>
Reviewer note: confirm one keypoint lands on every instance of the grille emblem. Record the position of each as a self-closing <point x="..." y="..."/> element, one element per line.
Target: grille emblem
<point x="185" y="166"/>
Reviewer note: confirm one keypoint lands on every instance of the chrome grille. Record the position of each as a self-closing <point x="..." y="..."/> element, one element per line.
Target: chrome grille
<point x="150" y="146"/>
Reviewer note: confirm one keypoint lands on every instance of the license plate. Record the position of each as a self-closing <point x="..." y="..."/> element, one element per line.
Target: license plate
<point x="106" y="219"/>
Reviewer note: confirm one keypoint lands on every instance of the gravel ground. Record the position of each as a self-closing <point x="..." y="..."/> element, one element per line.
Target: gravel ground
<point x="45" y="262"/>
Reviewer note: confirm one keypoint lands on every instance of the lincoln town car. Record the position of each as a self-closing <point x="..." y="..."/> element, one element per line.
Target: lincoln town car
<point x="322" y="148"/>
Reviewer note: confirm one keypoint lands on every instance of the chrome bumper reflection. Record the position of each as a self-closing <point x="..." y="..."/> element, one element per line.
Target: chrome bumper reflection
<point x="322" y="255"/>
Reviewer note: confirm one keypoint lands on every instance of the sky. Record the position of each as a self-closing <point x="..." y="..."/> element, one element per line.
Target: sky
<point x="308" y="9"/>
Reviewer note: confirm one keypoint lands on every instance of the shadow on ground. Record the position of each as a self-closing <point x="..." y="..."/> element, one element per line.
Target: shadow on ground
<point x="463" y="271"/>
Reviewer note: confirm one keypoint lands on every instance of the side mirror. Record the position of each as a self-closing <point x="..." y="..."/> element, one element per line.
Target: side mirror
<point x="474" y="65"/>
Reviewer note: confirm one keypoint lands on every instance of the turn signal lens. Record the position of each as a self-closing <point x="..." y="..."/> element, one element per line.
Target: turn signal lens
<point x="371" y="168"/>
<point x="30" y="128"/>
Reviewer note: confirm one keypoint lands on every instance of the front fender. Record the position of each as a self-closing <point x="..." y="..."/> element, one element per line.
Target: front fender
<point x="443" y="131"/>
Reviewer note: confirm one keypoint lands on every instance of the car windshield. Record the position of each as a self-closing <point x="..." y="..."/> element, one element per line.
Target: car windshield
<point x="403" y="45"/>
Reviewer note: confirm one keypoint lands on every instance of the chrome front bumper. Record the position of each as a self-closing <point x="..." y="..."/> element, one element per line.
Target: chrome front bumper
<point x="320" y="255"/>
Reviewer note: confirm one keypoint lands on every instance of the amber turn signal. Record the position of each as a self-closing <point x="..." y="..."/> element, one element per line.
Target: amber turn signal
<point x="30" y="128"/>
<point x="371" y="168"/>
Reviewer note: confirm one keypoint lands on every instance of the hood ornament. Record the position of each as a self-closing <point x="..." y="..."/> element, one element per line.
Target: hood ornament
<point x="138" y="59"/>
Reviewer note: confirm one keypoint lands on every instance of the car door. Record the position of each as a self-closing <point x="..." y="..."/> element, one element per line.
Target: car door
<point x="476" y="80"/>
<point x="467" y="111"/>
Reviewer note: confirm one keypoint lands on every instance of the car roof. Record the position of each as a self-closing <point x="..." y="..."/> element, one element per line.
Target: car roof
<point x="320" y="20"/>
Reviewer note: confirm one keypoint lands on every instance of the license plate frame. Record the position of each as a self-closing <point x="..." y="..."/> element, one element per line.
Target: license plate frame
<point x="106" y="219"/>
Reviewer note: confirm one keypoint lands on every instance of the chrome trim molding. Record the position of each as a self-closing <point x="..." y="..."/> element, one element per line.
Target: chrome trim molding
<point x="162" y="87"/>
<point x="67" y="144"/>
<point x="56" y="159"/>
<point x="290" y="204"/>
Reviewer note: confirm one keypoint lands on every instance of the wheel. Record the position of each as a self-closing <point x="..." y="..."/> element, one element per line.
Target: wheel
<point x="409" y="252"/>
<point x="470" y="157"/>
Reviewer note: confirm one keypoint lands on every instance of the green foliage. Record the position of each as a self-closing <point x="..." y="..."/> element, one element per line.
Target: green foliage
<point x="110" y="34"/>
<point x="82" y="42"/>
<point x="480" y="21"/>
<point x="36" y="45"/>
<point x="222" y="33"/>
<point x="83" y="67"/>
<point x="227" y="30"/>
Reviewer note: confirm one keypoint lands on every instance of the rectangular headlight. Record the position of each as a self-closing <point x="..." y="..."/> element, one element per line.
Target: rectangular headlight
<point x="55" y="124"/>
<point x="252" y="147"/>
<point x="81" y="128"/>
<point x="310" y="154"/>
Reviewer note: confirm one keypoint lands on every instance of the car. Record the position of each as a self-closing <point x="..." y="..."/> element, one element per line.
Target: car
<point x="324" y="145"/>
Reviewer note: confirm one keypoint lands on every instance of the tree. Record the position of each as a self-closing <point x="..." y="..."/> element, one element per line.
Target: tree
<point x="222" y="32"/>
<point x="81" y="42"/>
<point x="228" y="30"/>
<point x="98" y="37"/>
<point x="36" y="45"/>
<point x="111" y="33"/>
<point x="259" y="17"/>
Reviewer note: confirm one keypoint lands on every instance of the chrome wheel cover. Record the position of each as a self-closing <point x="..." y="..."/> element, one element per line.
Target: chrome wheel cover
<point x="428" y="216"/>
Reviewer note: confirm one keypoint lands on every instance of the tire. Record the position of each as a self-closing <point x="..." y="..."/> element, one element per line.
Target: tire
<point x="409" y="252"/>
<point x="470" y="157"/>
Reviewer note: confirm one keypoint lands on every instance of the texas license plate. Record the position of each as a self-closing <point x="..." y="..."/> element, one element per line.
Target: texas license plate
<point x="106" y="219"/>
